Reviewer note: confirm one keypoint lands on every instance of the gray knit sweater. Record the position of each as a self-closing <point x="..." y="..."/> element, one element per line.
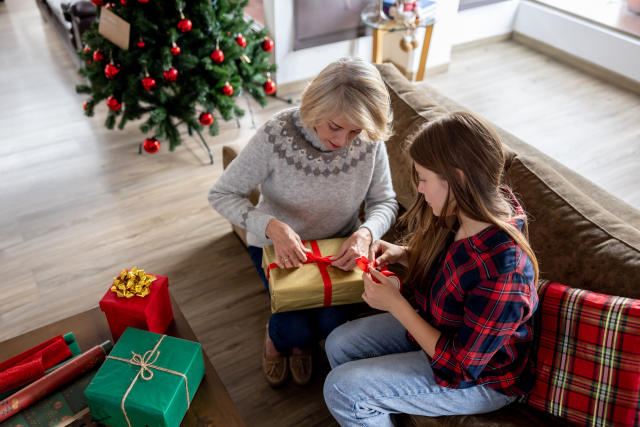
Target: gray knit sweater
<point x="316" y="191"/>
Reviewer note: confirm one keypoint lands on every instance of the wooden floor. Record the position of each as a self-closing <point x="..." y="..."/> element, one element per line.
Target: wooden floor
<point x="589" y="125"/>
<point x="77" y="203"/>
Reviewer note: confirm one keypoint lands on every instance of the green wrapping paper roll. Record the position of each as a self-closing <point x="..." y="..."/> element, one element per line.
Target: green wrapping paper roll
<point x="157" y="398"/>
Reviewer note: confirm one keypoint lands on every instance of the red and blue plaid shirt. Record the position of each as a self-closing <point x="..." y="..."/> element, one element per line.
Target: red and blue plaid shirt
<point x="481" y="299"/>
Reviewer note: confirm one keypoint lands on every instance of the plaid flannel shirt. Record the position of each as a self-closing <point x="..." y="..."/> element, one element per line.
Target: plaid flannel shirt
<point x="480" y="300"/>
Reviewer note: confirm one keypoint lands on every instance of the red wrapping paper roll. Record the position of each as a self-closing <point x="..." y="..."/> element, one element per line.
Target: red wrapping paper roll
<point x="52" y="381"/>
<point x="32" y="364"/>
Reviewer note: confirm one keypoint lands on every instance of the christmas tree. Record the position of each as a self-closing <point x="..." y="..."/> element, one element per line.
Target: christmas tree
<point x="185" y="59"/>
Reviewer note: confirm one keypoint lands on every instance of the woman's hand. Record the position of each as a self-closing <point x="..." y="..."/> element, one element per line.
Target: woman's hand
<point x="381" y="296"/>
<point x="354" y="247"/>
<point x="290" y="252"/>
<point x="388" y="253"/>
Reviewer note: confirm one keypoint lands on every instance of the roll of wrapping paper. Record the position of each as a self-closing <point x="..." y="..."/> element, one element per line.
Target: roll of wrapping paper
<point x="52" y="381"/>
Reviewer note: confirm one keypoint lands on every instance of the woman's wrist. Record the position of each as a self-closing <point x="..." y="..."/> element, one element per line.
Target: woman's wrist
<point x="366" y="234"/>
<point x="267" y="231"/>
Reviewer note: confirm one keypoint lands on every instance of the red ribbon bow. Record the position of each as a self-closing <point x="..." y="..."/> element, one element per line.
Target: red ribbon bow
<point x="365" y="265"/>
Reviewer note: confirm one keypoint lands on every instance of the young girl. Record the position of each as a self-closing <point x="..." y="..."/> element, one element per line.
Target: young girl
<point x="465" y="349"/>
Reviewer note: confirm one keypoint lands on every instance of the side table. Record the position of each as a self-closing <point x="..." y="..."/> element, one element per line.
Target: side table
<point x="382" y="27"/>
<point x="211" y="406"/>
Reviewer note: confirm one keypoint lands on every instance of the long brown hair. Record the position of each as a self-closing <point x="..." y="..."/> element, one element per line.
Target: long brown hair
<point x="463" y="141"/>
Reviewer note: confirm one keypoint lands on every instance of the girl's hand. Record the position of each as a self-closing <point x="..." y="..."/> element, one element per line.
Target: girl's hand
<point x="388" y="253"/>
<point x="354" y="247"/>
<point x="381" y="296"/>
<point x="290" y="252"/>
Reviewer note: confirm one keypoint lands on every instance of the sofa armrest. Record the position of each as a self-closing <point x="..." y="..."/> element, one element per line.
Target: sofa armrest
<point x="83" y="15"/>
<point x="230" y="152"/>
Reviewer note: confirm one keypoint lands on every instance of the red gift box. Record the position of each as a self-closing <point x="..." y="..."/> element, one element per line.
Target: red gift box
<point x="152" y="313"/>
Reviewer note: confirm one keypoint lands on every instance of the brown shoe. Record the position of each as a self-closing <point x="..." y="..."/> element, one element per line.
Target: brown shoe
<point x="301" y="366"/>
<point x="274" y="368"/>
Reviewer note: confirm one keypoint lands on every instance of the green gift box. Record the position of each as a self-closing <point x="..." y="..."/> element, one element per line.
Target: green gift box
<point x="147" y="379"/>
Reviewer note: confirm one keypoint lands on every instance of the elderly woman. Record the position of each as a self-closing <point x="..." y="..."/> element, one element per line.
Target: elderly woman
<point x="315" y="165"/>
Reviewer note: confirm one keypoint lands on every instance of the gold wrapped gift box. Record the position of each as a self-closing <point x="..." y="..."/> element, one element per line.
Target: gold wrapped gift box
<point x="304" y="287"/>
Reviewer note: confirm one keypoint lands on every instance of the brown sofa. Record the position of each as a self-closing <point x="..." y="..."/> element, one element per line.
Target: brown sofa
<point x="582" y="236"/>
<point x="69" y="19"/>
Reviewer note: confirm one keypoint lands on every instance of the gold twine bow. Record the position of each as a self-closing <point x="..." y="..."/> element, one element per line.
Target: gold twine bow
<point x="146" y="373"/>
<point x="132" y="282"/>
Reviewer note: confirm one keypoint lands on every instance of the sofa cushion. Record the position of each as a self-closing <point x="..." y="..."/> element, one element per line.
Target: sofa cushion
<point x="576" y="240"/>
<point x="587" y="357"/>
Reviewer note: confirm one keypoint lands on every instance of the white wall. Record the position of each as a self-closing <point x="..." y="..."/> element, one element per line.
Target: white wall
<point x="606" y="48"/>
<point x="485" y="22"/>
<point x="294" y="66"/>
<point x="451" y="28"/>
<point x="609" y="49"/>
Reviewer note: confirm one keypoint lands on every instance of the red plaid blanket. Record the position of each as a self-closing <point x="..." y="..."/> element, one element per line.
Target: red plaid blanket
<point x="588" y="357"/>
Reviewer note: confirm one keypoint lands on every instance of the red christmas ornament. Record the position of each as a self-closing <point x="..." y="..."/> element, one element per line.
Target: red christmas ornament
<point x="98" y="3"/>
<point x="113" y="103"/>
<point x="85" y="106"/>
<point x="227" y="89"/>
<point x="98" y="55"/>
<point x="143" y="1"/>
<point x="89" y="62"/>
<point x="140" y="43"/>
<point x="171" y="75"/>
<point x="123" y="2"/>
<point x="175" y="49"/>
<point x="217" y="56"/>
<point x="148" y="83"/>
<point x="206" y="118"/>
<point x="184" y="25"/>
<point x="111" y="70"/>
<point x="269" y="87"/>
<point x="242" y="42"/>
<point x="86" y="49"/>
<point x="268" y="44"/>
<point x="151" y="145"/>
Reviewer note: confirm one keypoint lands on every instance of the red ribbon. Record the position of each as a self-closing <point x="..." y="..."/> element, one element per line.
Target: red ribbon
<point x="365" y="265"/>
<point x="323" y="261"/>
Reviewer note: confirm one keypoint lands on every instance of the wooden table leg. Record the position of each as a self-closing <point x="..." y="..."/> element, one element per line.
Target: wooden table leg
<point x="377" y="46"/>
<point x="425" y="52"/>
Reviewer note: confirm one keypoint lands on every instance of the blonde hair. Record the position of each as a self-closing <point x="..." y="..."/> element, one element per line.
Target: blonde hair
<point x="353" y="88"/>
<point x="459" y="141"/>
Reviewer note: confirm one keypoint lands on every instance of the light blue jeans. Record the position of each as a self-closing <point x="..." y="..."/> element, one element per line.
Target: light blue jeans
<point x="377" y="372"/>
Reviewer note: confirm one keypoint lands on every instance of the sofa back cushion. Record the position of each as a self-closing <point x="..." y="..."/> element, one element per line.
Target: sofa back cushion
<point x="576" y="240"/>
<point x="411" y="110"/>
<point x="587" y="356"/>
<point x="581" y="234"/>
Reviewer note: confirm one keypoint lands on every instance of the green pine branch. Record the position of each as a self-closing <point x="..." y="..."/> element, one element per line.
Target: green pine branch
<point x="200" y="81"/>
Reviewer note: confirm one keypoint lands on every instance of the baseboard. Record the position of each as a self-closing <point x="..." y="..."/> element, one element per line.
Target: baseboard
<point x="579" y="63"/>
<point x="481" y="42"/>
<point x="411" y="75"/>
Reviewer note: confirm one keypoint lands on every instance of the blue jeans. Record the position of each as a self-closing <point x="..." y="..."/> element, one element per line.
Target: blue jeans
<point x="302" y="328"/>
<point x="377" y="372"/>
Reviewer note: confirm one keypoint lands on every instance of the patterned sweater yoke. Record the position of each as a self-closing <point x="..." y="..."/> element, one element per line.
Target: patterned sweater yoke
<point x="316" y="191"/>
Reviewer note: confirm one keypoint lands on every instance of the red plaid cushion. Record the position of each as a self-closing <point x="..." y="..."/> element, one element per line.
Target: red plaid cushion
<point x="588" y="357"/>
